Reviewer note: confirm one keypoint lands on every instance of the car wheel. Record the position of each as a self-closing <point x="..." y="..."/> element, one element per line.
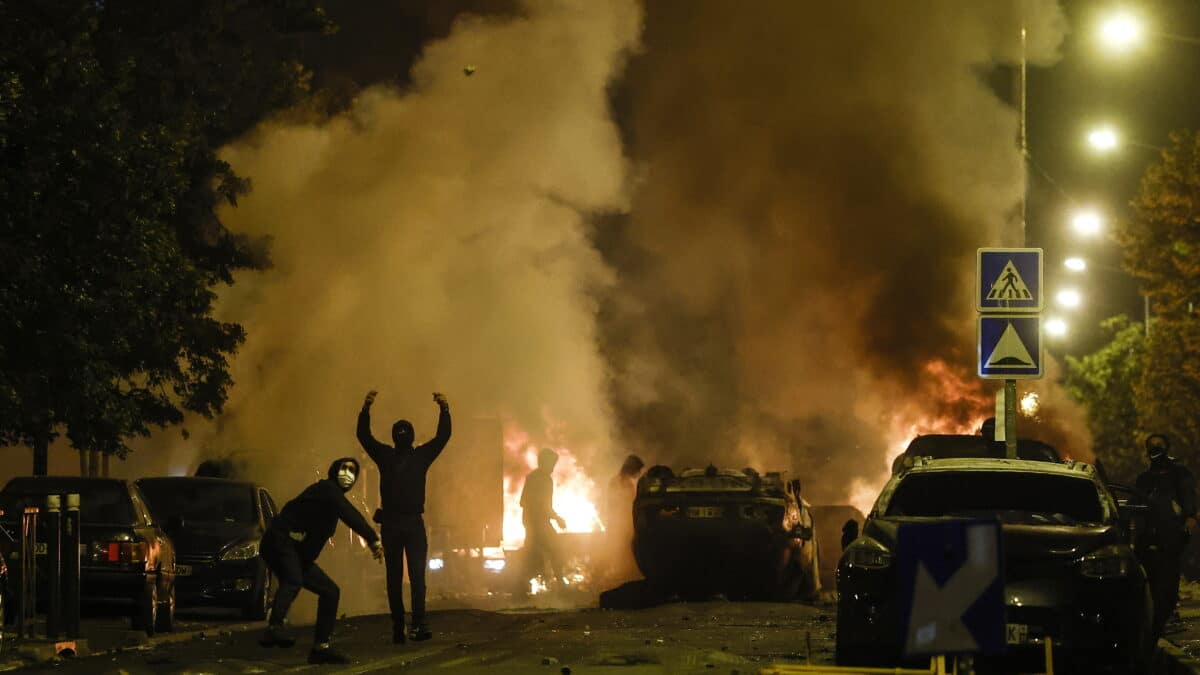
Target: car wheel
<point x="165" y="621"/>
<point x="260" y="600"/>
<point x="145" y="615"/>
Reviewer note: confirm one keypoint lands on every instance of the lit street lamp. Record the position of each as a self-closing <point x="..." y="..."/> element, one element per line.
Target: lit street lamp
<point x="1056" y="327"/>
<point x="1075" y="264"/>
<point x="1069" y="298"/>
<point x="1103" y="139"/>
<point x="1120" y="32"/>
<point x="1087" y="222"/>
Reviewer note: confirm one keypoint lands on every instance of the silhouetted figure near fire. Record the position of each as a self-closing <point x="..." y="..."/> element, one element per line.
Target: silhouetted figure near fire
<point x="402" y="470"/>
<point x="537" y="510"/>
<point x="290" y="548"/>
<point x="618" y="522"/>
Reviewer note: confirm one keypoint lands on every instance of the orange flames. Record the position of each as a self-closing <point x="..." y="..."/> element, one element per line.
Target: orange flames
<point x="964" y="405"/>
<point x="574" y="490"/>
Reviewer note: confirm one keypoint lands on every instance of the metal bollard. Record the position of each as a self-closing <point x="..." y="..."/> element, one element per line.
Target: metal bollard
<point x="70" y="566"/>
<point x="53" y="530"/>
<point x="27" y="597"/>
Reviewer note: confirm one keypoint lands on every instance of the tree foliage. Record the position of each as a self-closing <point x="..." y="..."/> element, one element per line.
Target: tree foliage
<point x="111" y="113"/>
<point x="1106" y="382"/>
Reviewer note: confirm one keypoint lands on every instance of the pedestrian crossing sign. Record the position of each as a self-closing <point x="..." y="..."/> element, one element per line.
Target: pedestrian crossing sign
<point x="1009" y="280"/>
<point x="1010" y="347"/>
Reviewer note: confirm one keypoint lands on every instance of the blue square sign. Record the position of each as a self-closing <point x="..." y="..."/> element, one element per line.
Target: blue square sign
<point x="1009" y="280"/>
<point x="1010" y="347"/>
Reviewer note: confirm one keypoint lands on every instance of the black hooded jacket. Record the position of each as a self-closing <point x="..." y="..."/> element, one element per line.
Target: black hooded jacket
<point x="402" y="469"/>
<point x="310" y="519"/>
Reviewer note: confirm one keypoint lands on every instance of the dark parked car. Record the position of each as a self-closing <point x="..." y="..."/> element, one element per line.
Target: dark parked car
<point x="1069" y="565"/>
<point x="945" y="446"/>
<point x="127" y="558"/>
<point x="216" y="525"/>
<point x="725" y="531"/>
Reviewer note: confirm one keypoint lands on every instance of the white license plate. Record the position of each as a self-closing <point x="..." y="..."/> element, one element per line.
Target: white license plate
<point x="704" y="512"/>
<point x="1017" y="634"/>
<point x="183" y="570"/>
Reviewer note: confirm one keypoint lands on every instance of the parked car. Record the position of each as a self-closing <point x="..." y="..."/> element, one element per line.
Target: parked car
<point x="127" y="558"/>
<point x="1069" y="567"/>
<point x="728" y="531"/>
<point x="217" y="525"/>
<point x="945" y="446"/>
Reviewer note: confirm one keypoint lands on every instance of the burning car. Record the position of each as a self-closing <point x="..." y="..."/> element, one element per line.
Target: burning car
<point x="736" y="532"/>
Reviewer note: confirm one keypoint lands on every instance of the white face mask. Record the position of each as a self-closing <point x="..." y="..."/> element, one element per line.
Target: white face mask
<point x="346" y="476"/>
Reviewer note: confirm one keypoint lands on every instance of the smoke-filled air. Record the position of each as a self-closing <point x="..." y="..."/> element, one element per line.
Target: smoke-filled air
<point x="685" y="230"/>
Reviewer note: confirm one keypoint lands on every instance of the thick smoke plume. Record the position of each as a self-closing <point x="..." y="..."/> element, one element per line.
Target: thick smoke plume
<point x="797" y="269"/>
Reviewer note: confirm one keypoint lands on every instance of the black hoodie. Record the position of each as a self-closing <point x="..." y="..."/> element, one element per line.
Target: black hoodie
<point x="402" y="467"/>
<point x="310" y="519"/>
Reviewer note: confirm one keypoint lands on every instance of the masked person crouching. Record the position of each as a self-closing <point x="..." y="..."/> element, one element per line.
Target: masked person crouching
<point x="290" y="548"/>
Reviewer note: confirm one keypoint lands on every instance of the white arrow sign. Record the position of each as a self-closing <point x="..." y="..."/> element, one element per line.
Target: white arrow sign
<point x="935" y="624"/>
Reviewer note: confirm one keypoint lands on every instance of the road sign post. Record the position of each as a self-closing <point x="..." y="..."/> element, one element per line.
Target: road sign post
<point x="1009" y="299"/>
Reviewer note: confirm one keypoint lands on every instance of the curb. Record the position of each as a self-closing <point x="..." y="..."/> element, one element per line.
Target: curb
<point x="1175" y="661"/>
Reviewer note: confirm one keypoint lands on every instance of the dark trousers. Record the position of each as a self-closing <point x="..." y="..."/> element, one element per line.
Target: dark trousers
<point x="1162" y="561"/>
<point x="540" y="550"/>
<point x="293" y="573"/>
<point x="405" y="535"/>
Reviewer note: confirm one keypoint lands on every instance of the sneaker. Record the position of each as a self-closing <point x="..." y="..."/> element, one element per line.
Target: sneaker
<point x="275" y="636"/>
<point x="327" y="655"/>
<point x="398" y="636"/>
<point x="420" y="633"/>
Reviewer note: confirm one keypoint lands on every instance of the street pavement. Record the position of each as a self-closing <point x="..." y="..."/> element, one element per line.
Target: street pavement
<point x="705" y="637"/>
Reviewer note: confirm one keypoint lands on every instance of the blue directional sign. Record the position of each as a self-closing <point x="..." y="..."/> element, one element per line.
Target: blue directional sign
<point x="1010" y="347"/>
<point x="1009" y="280"/>
<point x="951" y="587"/>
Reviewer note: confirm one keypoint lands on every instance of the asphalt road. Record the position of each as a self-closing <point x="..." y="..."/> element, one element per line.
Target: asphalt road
<point x="706" y="637"/>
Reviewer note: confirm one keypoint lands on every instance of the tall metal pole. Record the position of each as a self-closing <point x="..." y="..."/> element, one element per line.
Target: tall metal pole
<point x="1010" y="386"/>
<point x="1146" y="311"/>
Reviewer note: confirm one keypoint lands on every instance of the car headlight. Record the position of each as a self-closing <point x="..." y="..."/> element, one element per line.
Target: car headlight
<point x="243" y="551"/>
<point x="1107" y="563"/>
<point x="868" y="553"/>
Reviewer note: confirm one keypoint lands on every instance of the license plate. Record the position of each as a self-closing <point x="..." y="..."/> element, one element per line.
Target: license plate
<point x="1018" y="634"/>
<point x="183" y="570"/>
<point x="39" y="548"/>
<point x="704" y="512"/>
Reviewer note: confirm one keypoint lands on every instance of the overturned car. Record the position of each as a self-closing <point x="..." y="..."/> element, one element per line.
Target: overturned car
<point x="736" y="532"/>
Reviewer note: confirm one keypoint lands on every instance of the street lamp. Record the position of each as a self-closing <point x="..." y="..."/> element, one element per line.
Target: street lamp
<point x="1069" y="298"/>
<point x="1087" y="222"/>
<point x="1056" y="327"/>
<point x="1075" y="264"/>
<point x="1103" y="139"/>
<point x="1120" y="32"/>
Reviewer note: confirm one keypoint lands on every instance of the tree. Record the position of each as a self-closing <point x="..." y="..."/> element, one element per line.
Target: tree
<point x="111" y="113"/>
<point x="1105" y="382"/>
<point x="1161" y="242"/>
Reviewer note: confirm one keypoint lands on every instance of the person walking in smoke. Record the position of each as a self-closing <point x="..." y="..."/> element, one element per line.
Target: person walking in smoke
<point x="290" y="548"/>
<point x="1170" y="492"/>
<point x="537" y="510"/>
<point x="618" y="522"/>
<point x="402" y="470"/>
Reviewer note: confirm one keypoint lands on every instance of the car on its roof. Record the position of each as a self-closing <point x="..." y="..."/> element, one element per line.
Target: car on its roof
<point x="729" y="531"/>
<point x="945" y="446"/>
<point x="1069" y="567"/>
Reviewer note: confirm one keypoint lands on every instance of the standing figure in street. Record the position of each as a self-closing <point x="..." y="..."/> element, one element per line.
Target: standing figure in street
<point x="537" y="510"/>
<point x="618" y="522"/>
<point x="290" y="547"/>
<point x="1171" y="493"/>
<point x="402" y="470"/>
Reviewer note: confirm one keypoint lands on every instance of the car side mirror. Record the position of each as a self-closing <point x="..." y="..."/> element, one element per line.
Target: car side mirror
<point x="174" y="524"/>
<point x="802" y="532"/>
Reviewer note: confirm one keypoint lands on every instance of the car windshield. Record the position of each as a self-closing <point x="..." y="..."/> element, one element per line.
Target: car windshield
<point x="199" y="501"/>
<point x="1011" y="496"/>
<point x="100" y="504"/>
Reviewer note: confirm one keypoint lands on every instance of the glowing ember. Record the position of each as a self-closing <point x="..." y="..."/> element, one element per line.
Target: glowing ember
<point x="573" y="489"/>
<point x="1029" y="404"/>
